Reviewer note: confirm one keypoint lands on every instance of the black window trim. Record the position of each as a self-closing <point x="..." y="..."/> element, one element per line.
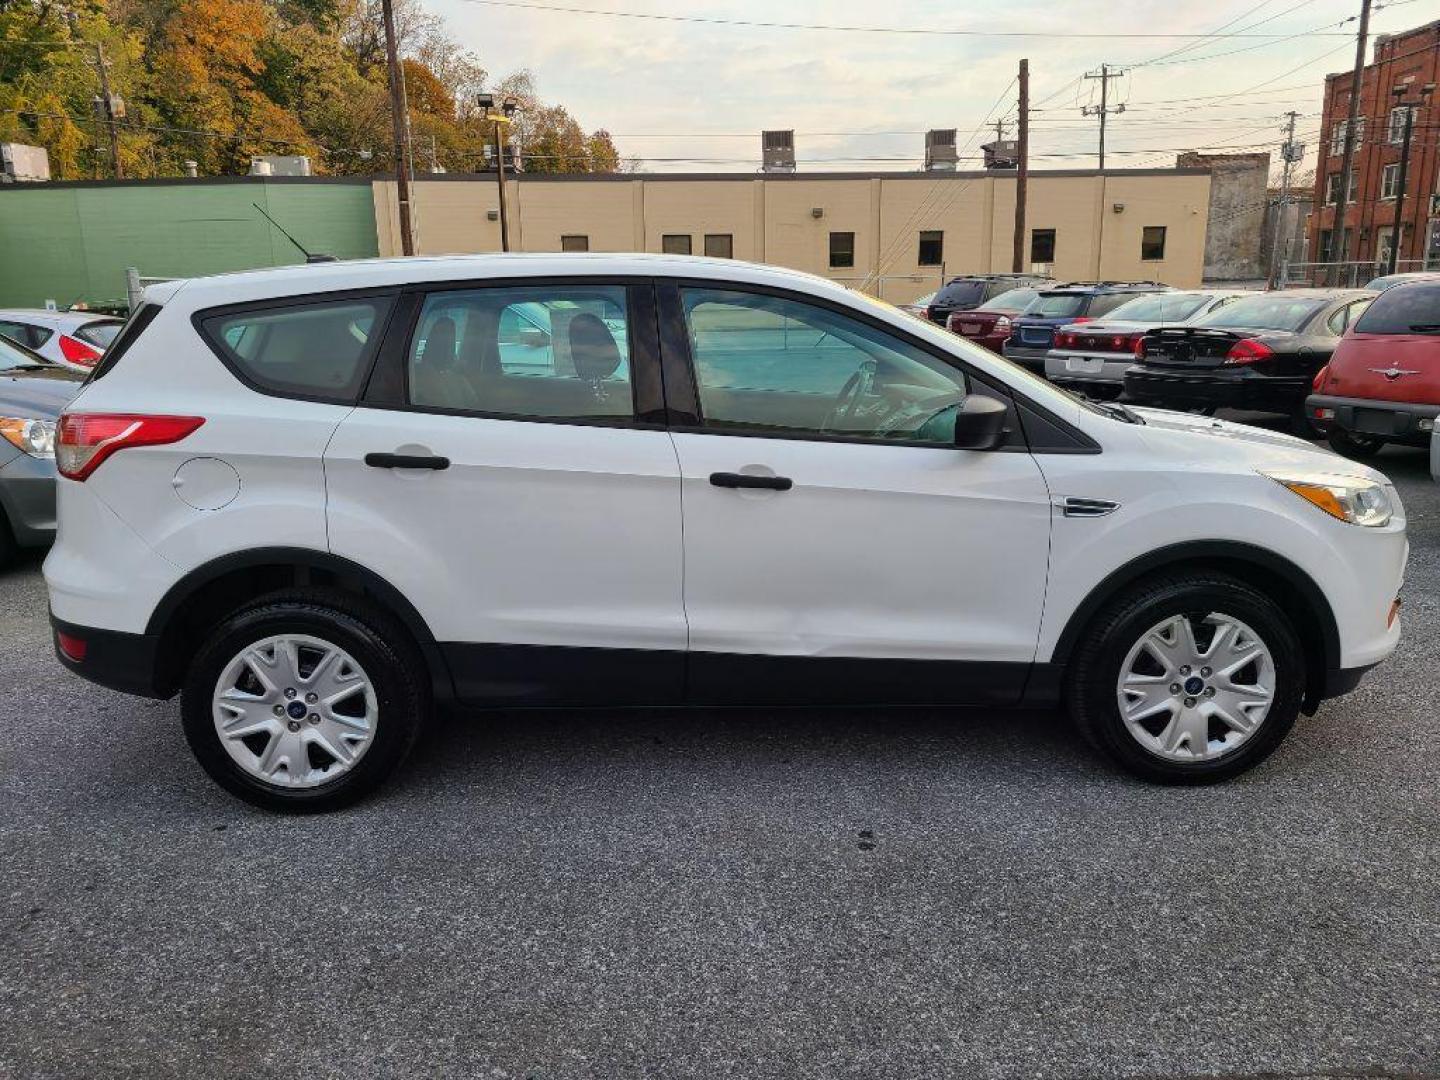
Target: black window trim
<point x="683" y="402"/>
<point x="388" y="386"/>
<point x="134" y="326"/>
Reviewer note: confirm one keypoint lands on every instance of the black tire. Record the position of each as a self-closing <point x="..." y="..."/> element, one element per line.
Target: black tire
<point x="8" y="548"/>
<point x="377" y="642"/>
<point x="1353" y="446"/>
<point x="1094" y="672"/>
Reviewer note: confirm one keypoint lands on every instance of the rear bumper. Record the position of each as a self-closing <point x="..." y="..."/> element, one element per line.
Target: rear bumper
<point x="111" y="658"/>
<point x="1031" y="358"/>
<point x="1079" y="369"/>
<point x="1220" y="389"/>
<point x="1398" y="421"/>
<point x="27" y="498"/>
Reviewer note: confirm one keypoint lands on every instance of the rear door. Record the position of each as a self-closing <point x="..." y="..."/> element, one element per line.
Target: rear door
<point x="838" y="547"/>
<point x="509" y="472"/>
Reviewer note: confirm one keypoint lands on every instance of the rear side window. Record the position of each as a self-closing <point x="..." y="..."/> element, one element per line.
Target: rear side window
<point x="27" y="334"/>
<point x="1408" y="309"/>
<point x="99" y="334"/>
<point x="1108" y="302"/>
<point x="319" y="350"/>
<point x="1057" y="305"/>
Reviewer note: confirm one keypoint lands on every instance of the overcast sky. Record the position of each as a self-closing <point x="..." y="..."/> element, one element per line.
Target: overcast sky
<point x="662" y="87"/>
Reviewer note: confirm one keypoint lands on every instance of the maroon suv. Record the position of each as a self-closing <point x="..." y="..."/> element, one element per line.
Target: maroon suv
<point x="989" y="324"/>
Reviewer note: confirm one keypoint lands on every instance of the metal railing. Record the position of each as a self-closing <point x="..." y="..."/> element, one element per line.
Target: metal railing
<point x="1345" y="275"/>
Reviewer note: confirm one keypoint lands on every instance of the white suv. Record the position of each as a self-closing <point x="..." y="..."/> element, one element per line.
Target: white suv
<point x="316" y="501"/>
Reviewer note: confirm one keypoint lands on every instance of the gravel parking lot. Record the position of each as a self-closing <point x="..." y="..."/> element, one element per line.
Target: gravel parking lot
<point x="748" y="894"/>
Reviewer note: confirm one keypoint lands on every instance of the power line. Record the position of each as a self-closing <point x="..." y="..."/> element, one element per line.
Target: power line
<point x="1068" y="35"/>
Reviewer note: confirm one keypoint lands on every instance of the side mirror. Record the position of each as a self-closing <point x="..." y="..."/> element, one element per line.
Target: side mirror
<point x="980" y="423"/>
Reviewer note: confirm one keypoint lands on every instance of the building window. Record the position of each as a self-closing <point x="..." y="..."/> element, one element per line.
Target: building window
<point x="1332" y="187"/>
<point x="932" y="247"/>
<point x="1152" y="243"/>
<point x="675" y="243"/>
<point x="1395" y="132"/>
<point x="574" y="243"/>
<point x="842" y="249"/>
<point x="1390" y="181"/>
<point x="1042" y="245"/>
<point x="1337" y="136"/>
<point x="720" y="245"/>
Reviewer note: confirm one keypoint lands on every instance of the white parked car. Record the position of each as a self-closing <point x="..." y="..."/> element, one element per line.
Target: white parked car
<point x="313" y="501"/>
<point x="1093" y="356"/>
<point x="74" y="339"/>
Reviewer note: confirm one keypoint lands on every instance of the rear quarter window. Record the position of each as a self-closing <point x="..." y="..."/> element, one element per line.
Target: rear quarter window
<point x="1405" y="309"/>
<point x="1108" y="302"/>
<point x="319" y="350"/>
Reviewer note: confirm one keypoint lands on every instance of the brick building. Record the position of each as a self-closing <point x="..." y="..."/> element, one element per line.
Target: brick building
<point x="1410" y="60"/>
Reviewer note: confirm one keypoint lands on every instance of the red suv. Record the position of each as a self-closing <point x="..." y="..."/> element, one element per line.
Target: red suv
<point x="1382" y="384"/>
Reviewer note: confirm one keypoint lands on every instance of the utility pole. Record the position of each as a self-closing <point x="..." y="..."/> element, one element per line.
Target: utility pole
<point x="1022" y="166"/>
<point x="502" y="119"/>
<point x="1397" y="236"/>
<point x="400" y="122"/>
<point x="106" y="108"/>
<point x="1280" y="238"/>
<point x="1339" y="242"/>
<point x="1105" y="74"/>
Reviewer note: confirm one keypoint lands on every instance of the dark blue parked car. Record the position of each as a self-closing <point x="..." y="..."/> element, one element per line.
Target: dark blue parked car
<point x="1061" y="305"/>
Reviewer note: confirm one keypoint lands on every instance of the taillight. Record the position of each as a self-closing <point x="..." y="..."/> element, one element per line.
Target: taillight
<point x="1002" y="323"/>
<point x="1318" y="383"/>
<point x="1139" y="346"/>
<point x="1248" y="351"/>
<point x="84" y="440"/>
<point x="77" y="352"/>
<point x="73" y="647"/>
<point x="1064" y="340"/>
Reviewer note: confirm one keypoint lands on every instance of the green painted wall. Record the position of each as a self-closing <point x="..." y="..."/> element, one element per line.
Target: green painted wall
<point x="68" y="242"/>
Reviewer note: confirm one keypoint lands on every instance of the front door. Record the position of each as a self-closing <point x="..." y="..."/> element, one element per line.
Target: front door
<point x="511" y="492"/>
<point x="838" y="547"/>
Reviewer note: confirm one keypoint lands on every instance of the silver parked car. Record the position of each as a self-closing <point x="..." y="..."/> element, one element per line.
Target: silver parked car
<point x="73" y="339"/>
<point x="1092" y="357"/>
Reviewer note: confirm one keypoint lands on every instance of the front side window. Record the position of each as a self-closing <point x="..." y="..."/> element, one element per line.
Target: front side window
<point x="842" y="250"/>
<point x="675" y="243"/>
<point x="1339" y="320"/>
<point x="773" y="365"/>
<point x="720" y="245"/>
<point x="932" y="247"/>
<point x="1152" y="243"/>
<point x="1042" y="245"/>
<point x="553" y="352"/>
<point x="317" y="350"/>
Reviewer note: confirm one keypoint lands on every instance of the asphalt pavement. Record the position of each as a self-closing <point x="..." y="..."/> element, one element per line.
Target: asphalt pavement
<point x="726" y="894"/>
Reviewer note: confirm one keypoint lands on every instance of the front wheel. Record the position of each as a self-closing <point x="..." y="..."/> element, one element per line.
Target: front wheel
<point x="1188" y="680"/>
<point x="303" y="701"/>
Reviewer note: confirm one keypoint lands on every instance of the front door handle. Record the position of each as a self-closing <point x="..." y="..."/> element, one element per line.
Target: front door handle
<point x="745" y="480"/>
<point x="407" y="461"/>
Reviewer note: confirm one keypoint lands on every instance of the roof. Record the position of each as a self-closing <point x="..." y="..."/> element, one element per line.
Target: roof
<point x="245" y="285"/>
<point x="47" y="315"/>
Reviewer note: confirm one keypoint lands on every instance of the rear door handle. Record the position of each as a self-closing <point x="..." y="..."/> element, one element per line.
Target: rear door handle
<point x="745" y="480"/>
<point x="407" y="461"/>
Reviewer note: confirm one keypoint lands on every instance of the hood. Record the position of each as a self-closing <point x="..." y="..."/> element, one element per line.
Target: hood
<point x="39" y="394"/>
<point x="1205" y="439"/>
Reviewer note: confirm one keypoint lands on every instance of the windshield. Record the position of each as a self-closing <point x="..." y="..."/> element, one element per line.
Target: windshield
<point x="1014" y="300"/>
<point x="1160" y="307"/>
<point x="13" y="357"/>
<point x="1057" y="305"/>
<point x="1269" y="311"/>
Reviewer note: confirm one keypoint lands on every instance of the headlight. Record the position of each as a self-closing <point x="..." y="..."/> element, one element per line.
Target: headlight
<point x="1349" y="498"/>
<point x="35" y="437"/>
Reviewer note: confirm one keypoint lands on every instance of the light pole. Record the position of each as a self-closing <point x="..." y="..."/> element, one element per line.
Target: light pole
<point x="1397" y="237"/>
<point x="504" y="116"/>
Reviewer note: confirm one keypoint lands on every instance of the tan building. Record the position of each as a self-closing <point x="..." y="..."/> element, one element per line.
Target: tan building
<point x="896" y="235"/>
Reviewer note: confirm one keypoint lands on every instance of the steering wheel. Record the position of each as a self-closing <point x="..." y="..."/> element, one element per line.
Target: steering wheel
<point x="914" y="416"/>
<point x="856" y="389"/>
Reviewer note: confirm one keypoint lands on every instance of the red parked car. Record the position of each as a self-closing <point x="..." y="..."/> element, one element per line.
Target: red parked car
<point x="989" y="324"/>
<point x="1382" y="384"/>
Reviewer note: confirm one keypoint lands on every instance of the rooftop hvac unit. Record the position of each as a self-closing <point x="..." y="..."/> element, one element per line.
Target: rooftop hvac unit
<point x="22" y="163"/>
<point x="280" y="165"/>
<point x="940" y="150"/>
<point x="777" y="151"/>
<point x="1002" y="154"/>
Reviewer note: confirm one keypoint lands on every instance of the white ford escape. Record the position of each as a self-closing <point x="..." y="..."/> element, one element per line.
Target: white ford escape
<point x="315" y="501"/>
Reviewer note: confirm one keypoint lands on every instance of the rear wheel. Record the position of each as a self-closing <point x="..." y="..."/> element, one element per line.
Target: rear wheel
<point x="1356" y="447"/>
<point x="304" y="701"/>
<point x="1188" y="680"/>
